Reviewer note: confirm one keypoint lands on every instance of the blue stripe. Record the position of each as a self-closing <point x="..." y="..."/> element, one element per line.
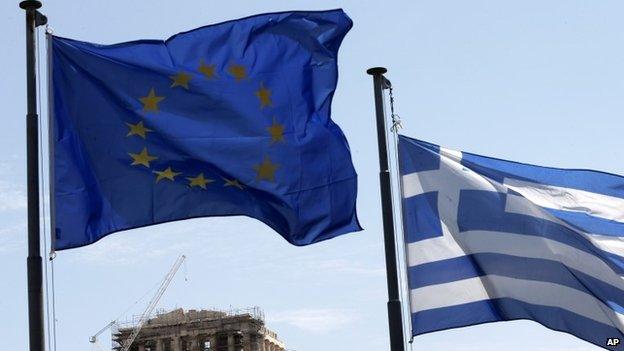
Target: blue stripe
<point x="497" y="169"/>
<point x="443" y="271"/>
<point x="589" y="224"/>
<point x="454" y="317"/>
<point x="506" y="309"/>
<point x="421" y="218"/>
<point x="589" y="180"/>
<point x="485" y="210"/>
<point x="616" y="261"/>
<point x="481" y="264"/>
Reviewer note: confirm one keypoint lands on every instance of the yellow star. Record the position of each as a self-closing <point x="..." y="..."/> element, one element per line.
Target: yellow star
<point x="142" y="158"/>
<point x="266" y="170"/>
<point x="234" y="182"/>
<point x="238" y="71"/>
<point x="277" y="132"/>
<point x="166" y="174"/>
<point x="207" y="70"/>
<point x="264" y="95"/>
<point x="138" y="129"/>
<point x="199" y="181"/>
<point x="150" y="102"/>
<point x="181" y="80"/>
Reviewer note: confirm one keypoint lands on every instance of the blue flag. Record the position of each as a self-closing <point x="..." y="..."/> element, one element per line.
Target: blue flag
<point x="227" y="119"/>
<point x="491" y="240"/>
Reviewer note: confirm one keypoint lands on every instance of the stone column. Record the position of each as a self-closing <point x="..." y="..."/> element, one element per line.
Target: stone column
<point x="175" y="343"/>
<point x="159" y="345"/>
<point x="231" y="342"/>
<point x="197" y="344"/>
<point x="247" y="342"/>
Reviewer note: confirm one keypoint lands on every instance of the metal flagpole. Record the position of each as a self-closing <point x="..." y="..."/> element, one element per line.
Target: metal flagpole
<point x="34" y="262"/>
<point x="395" y="319"/>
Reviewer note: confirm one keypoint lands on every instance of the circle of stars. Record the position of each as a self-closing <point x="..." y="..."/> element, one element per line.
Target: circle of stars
<point x="265" y="169"/>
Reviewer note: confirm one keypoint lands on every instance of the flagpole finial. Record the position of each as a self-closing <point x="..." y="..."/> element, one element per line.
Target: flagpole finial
<point x="376" y="70"/>
<point x="30" y="4"/>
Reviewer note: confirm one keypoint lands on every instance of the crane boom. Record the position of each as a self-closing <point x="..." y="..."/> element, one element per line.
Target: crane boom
<point x="93" y="339"/>
<point x="125" y="346"/>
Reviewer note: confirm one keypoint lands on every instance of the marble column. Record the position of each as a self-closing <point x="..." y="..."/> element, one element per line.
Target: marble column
<point x="175" y="344"/>
<point x="230" y="339"/>
<point x="159" y="345"/>
<point x="197" y="344"/>
<point x="247" y="342"/>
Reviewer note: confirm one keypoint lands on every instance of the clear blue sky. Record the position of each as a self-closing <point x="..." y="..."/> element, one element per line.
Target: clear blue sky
<point x="533" y="81"/>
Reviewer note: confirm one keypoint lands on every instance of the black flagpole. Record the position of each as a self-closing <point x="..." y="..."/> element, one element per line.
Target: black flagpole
<point x="34" y="262"/>
<point x="395" y="318"/>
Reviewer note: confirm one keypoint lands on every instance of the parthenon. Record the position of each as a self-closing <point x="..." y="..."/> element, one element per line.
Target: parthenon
<point x="202" y="330"/>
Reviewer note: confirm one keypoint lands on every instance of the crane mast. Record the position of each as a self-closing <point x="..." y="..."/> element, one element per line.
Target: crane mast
<point x="125" y="346"/>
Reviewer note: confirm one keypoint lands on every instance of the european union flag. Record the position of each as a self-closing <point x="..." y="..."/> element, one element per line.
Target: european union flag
<point x="227" y="119"/>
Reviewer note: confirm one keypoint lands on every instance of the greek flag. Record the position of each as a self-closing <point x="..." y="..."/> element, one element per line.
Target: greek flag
<point x="491" y="240"/>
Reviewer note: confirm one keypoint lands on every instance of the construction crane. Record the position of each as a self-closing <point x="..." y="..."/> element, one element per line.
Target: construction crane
<point x="125" y="345"/>
<point x="93" y="339"/>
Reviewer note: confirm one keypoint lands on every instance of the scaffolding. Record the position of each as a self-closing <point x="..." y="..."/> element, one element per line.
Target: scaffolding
<point x="200" y="329"/>
<point x="173" y="316"/>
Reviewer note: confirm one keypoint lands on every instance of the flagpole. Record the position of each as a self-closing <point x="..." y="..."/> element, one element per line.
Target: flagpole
<point x="34" y="262"/>
<point x="395" y="319"/>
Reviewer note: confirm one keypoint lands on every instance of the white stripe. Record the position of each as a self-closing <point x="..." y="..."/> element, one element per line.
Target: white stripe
<point x="434" y="249"/>
<point x="449" y="179"/>
<point x="455" y="155"/>
<point x="411" y="185"/>
<point x="448" y="294"/>
<point x="520" y="205"/>
<point x="474" y="242"/>
<point x="528" y="291"/>
<point x="568" y="199"/>
<point x="611" y="244"/>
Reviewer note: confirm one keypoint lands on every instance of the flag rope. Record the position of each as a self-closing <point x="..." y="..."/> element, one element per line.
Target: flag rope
<point x="49" y="296"/>
<point x="394" y="129"/>
<point x="52" y="254"/>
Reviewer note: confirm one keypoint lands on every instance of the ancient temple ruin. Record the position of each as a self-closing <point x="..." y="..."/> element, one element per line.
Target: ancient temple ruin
<point x="202" y="330"/>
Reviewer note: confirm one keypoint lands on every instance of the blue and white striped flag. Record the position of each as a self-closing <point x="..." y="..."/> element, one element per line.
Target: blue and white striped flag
<point x="492" y="240"/>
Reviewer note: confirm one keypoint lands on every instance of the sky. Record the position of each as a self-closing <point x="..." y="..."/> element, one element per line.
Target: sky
<point x="532" y="81"/>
